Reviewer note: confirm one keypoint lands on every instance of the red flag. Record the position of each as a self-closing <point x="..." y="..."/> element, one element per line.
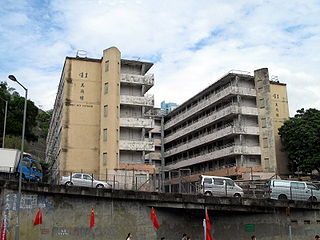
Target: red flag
<point x="3" y="231"/>
<point x="208" y="227"/>
<point x="91" y="218"/>
<point x="154" y="219"/>
<point x="38" y="218"/>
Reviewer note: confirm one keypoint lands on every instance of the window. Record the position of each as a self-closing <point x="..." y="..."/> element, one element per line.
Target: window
<point x="77" y="175"/>
<point x="207" y="181"/>
<point x="105" y="134"/>
<point x="261" y="103"/>
<point x="265" y="142"/>
<point x="106" y="88"/>
<point x="105" y="158"/>
<point x="229" y="182"/>
<point x="297" y="185"/>
<point x="263" y="122"/>
<point x="106" y="66"/>
<point x="87" y="177"/>
<point x="105" y="111"/>
<point x="312" y="186"/>
<point x="218" y="181"/>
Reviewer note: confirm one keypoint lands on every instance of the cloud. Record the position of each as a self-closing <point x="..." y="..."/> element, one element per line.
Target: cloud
<point x="192" y="43"/>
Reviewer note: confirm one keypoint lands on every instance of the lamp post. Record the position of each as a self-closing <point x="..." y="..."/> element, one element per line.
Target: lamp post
<point x="5" y="122"/>
<point x="17" y="229"/>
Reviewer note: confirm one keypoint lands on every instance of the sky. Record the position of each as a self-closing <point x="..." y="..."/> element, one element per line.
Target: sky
<point x="192" y="43"/>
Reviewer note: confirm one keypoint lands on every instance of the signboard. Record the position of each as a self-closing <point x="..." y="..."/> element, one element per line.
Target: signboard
<point x="249" y="228"/>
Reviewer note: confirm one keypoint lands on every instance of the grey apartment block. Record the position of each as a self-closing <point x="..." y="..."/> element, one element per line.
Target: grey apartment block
<point x="154" y="158"/>
<point x="134" y="103"/>
<point x="216" y="129"/>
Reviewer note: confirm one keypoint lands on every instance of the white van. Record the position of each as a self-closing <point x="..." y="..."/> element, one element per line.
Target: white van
<point x="219" y="186"/>
<point x="294" y="190"/>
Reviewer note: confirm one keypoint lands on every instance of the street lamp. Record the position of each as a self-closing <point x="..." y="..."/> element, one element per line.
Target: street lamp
<point x="5" y="122"/>
<point x="17" y="230"/>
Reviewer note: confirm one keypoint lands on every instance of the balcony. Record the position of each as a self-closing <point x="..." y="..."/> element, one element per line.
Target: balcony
<point x="230" y="90"/>
<point x="137" y="123"/>
<point x="147" y="80"/>
<point x="214" y="116"/>
<point x="153" y="156"/>
<point x="146" y="101"/>
<point x="219" y="133"/>
<point x="132" y="145"/>
<point x="219" y="153"/>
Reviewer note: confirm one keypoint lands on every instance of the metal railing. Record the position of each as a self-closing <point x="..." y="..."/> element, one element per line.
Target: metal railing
<point x="130" y="180"/>
<point x="179" y="182"/>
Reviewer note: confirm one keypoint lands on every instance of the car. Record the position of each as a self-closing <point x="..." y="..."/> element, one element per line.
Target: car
<point x="219" y="187"/>
<point x="83" y="179"/>
<point x="294" y="190"/>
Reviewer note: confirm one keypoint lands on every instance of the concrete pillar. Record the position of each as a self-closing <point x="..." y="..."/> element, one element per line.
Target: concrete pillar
<point x="266" y="138"/>
<point x="110" y="79"/>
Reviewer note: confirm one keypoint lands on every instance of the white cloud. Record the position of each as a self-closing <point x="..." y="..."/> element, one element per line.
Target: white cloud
<point x="193" y="43"/>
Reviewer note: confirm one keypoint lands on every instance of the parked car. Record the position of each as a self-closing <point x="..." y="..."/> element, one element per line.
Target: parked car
<point x="294" y="190"/>
<point x="219" y="186"/>
<point x="83" y="179"/>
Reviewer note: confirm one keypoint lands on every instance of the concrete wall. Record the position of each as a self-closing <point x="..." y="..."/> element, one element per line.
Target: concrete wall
<point x="80" y="122"/>
<point x="280" y="112"/>
<point x="266" y="128"/>
<point x="66" y="215"/>
<point x="110" y="75"/>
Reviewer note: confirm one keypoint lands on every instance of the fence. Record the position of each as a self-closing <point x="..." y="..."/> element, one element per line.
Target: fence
<point x="133" y="180"/>
<point x="180" y="183"/>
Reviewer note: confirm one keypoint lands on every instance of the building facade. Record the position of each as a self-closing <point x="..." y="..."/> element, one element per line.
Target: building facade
<point x="99" y="123"/>
<point x="168" y="107"/>
<point x="228" y="129"/>
<point x="156" y="134"/>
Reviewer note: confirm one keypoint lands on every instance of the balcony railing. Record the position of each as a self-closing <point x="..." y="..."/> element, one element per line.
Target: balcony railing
<point x="214" y="116"/>
<point x="147" y="80"/>
<point x="215" y="154"/>
<point x="209" y="101"/>
<point x="147" y="100"/>
<point x="218" y="133"/>
<point x="132" y="145"/>
<point x="153" y="155"/>
<point x="137" y="123"/>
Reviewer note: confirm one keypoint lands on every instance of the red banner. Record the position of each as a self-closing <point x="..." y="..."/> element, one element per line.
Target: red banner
<point x="154" y="219"/>
<point x="91" y="218"/>
<point x="38" y="218"/>
<point x="3" y="231"/>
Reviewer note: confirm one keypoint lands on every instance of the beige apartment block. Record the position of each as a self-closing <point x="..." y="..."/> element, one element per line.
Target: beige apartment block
<point x="228" y="129"/>
<point x="99" y="123"/>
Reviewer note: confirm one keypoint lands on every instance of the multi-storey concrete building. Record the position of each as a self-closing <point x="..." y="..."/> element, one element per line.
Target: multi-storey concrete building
<point x="155" y="134"/>
<point x="99" y="123"/>
<point x="229" y="129"/>
<point x="168" y="107"/>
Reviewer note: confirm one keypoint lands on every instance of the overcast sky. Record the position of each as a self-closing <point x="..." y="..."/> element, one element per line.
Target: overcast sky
<point x="191" y="42"/>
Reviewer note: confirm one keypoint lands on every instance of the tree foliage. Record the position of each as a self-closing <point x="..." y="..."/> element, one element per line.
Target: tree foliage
<point x="34" y="118"/>
<point x="14" y="142"/>
<point x="300" y="138"/>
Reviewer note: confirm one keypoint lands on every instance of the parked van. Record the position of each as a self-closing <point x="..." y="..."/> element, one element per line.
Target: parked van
<point x="219" y="186"/>
<point x="294" y="190"/>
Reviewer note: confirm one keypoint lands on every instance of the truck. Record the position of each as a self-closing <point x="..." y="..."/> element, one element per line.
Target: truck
<point x="12" y="164"/>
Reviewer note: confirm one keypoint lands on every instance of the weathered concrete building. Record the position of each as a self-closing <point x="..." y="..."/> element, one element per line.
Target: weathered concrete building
<point x="99" y="124"/>
<point x="228" y="129"/>
<point x="154" y="158"/>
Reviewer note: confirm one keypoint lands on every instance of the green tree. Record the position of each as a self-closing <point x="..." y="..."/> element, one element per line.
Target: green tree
<point x="46" y="167"/>
<point x="15" y="113"/>
<point x="300" y="138"/>
<point x="43" y="120"/>
<point x="14" y="142"/>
